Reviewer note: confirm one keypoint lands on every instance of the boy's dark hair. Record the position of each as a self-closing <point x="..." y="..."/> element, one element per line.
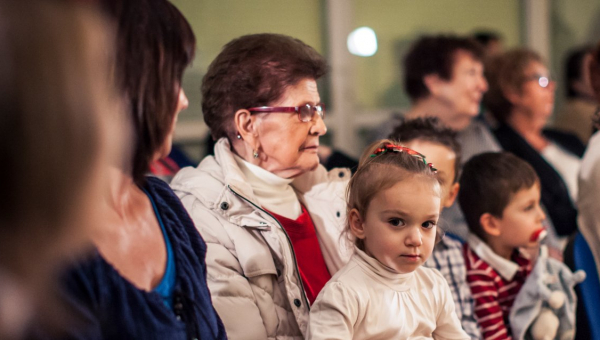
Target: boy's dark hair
<point x="435" y="55"/>
<point x="429" y="129"/>
<point x="488" y="183"/>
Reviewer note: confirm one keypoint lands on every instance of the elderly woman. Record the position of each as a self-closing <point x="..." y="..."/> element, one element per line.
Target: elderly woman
<point x="271" y="215"/>
<point x="521" y="98"/>
<point x="147" y="279"/>
<point x="55" y="104"/>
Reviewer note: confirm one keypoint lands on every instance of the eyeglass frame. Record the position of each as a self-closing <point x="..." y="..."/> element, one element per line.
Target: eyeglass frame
<point x="318" y="109"/>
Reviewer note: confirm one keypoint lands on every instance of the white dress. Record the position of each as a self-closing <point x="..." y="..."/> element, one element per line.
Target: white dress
<point x="367" y="300"/>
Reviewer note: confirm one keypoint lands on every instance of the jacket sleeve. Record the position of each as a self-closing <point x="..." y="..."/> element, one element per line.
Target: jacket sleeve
<point x="333" y="314"/>
<point x="233" y="296"/>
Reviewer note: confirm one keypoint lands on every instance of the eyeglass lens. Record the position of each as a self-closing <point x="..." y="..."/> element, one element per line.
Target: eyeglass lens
<point x="308" y="111"/>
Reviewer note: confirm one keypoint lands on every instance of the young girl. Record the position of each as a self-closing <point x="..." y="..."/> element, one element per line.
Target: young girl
<point x="384" y="292"/>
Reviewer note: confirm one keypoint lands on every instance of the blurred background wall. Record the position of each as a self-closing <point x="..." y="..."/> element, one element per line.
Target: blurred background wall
<point x="368" y="89"/>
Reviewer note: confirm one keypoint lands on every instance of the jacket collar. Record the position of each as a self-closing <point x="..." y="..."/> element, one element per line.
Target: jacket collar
<point x="311" y="183"/>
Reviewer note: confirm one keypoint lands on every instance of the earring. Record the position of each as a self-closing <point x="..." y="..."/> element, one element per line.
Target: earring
<point x="239" y="136"/>
<point x="255" y="154"/>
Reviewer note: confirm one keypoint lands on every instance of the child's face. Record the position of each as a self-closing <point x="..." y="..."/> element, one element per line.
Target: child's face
<point x="521" y="219"/>
<point x="399" y="228"/>
<point x="444" y="160"/>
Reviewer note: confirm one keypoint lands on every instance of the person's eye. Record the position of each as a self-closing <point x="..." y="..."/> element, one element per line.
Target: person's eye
<point x="529" y="207"/>
<point x="396" y="222"/>
<point x="428" y="224"/>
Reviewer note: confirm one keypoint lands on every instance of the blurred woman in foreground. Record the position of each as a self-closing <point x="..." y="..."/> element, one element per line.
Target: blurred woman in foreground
<point x="55" y="105"/>
<point x="147" y="279"/>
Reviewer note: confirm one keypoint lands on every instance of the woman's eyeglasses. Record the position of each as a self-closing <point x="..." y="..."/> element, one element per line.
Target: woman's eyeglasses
<point x="542" y="80"/>
<point x="305" y="112"/>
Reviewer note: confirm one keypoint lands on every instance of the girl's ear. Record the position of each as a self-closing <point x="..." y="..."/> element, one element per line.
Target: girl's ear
<point x="490" y="224"/>
<point x="356" y="224"/>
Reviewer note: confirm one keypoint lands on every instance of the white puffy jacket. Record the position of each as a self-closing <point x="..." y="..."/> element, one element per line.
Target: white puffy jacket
<point x="252" y="271"/>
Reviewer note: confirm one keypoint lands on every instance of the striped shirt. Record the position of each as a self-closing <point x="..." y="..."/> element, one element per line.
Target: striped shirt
<point x="494" y="283"/>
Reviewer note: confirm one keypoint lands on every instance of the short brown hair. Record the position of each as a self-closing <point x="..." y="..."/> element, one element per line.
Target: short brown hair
<point x="435" y="55"/>
<point x="254" y="70"/>
<point x="506" y="72"/>
<point x="378" y="173"/>
<point x="488" y="183"/>
<point x="429" y="129"/>
<point x="155" y="44"/>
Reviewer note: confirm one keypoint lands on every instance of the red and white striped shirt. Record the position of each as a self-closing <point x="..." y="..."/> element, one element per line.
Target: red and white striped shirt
<point x="494" y="283"/>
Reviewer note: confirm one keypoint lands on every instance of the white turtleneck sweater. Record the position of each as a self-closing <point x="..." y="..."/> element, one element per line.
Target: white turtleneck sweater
<point x="273" y="192"/>
<point x="367" y="300"/>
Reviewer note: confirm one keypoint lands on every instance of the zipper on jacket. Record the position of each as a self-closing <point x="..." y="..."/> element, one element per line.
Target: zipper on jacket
<point x="289" y="242"/>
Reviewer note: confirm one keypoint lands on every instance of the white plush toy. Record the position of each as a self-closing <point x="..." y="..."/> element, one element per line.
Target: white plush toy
<point x="545" y="306"/>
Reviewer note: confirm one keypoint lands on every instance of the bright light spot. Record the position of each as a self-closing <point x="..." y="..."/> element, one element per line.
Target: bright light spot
<point x="544" y="81"/>
<point x="362" y="42"/>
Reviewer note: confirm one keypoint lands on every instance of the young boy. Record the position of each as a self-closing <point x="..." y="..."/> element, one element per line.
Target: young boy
<point x="500" y="198"/>
<point x="438" y="143"/>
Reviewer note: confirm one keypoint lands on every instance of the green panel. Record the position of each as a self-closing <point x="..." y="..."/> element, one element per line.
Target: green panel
<point x="216" y="22"/>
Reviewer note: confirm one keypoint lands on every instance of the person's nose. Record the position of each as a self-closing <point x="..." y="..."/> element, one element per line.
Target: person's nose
<point x="183" y="100"/>
<point x="318" y="128"/>
<point x="414" y="237"/>
<point x="541" y="213"/>
<point x="483" y="84"/>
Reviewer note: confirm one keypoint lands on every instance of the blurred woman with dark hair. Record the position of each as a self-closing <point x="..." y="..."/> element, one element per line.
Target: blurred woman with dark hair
<point x="147" y="279"/>
<point x="55" y="102"/>
<point x="271" y="215"/>
<point x="521" y="98"/>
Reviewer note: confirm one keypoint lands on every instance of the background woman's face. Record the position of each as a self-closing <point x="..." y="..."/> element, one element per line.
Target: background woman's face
<point x="537" y="96"/>
<point x="287" y="146"/>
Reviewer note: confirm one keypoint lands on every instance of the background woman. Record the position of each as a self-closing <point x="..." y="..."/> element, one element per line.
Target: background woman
<point x="54" y="106"/>
<point x="271" y="215"/>
<point x="521" y="98"/>
<point x="148" y="277"/>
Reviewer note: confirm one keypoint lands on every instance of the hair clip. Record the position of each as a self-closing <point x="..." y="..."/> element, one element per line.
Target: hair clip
<point x="389" y="147"/>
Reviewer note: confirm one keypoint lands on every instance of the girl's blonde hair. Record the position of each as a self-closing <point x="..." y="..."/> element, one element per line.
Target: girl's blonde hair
<point x="379" y="171"/>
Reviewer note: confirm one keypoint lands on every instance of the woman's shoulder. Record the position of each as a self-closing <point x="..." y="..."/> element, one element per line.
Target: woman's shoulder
<point x="204" y="183"/>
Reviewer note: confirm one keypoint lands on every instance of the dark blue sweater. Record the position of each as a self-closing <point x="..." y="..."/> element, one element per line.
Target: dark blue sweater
<point x="110" y="307"/>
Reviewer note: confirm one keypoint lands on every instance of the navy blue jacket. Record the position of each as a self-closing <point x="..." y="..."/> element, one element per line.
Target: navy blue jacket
<point x="110" y="307"/>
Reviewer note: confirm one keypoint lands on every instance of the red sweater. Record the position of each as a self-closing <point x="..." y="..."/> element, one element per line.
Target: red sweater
<point x="493" y="294"/>
<point x="312" y="267"/>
